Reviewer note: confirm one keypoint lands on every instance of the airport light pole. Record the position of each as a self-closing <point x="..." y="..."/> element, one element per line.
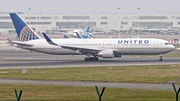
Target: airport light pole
<point x="138" y="21"/>
<point x="119" y="22"/>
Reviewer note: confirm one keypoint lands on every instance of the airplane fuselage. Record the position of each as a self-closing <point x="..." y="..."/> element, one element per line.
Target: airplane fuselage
<point x="123" y="46"/>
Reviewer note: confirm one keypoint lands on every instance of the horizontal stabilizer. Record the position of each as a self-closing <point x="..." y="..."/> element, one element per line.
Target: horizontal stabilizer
<point x="20" y="43"/>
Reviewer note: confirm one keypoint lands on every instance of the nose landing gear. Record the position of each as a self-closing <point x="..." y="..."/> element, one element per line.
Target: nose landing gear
<point x="161" y="55"/>
<point x="160" y="59"/>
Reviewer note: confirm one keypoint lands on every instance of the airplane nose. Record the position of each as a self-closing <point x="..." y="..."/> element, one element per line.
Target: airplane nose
<point x="173" y="47"/>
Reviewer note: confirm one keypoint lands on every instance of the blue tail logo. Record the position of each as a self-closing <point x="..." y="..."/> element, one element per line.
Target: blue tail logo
<point x="25" y="33"/>
<point x="85" y="35"/>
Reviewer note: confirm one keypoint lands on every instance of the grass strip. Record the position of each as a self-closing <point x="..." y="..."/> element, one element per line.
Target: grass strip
<point x="68" y="93"/>
<point x="130" y="74"/>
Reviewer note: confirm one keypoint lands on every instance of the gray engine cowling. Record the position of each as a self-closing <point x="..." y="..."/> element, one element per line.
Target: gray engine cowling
<point x="108" y="53"/>
<point x="66" y="36"/>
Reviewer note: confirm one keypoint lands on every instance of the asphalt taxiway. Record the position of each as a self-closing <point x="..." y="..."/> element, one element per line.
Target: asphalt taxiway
<point x="25" y="59"/>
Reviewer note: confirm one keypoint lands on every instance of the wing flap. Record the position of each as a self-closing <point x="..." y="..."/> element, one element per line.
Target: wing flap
<point x="84" y="49"/>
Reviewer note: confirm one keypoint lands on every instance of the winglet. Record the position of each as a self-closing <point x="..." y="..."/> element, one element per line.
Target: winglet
<point x="48" y="39"/>
<point x="78" y="36"/>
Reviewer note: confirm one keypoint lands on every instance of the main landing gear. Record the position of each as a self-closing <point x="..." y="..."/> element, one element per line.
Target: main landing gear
<point x="91" y="59"/>
<point x="161" y="55"/>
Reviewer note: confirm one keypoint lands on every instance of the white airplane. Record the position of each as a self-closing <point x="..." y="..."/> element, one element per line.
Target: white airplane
<point x="72" y="34"/>
<point x="92" y="48"/>
<point x="80" y="32"/>
<point x="85" y="35"/>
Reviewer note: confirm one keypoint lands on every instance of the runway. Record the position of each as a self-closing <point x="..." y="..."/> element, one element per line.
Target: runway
<point x="25" y="59"/>
<point x="91" y="84"/>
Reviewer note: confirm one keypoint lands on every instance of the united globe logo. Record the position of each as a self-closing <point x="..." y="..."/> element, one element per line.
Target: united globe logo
<point x="27" y="34"/>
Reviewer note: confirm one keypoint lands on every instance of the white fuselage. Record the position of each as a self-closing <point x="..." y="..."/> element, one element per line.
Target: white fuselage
<point x="123" y="46"/>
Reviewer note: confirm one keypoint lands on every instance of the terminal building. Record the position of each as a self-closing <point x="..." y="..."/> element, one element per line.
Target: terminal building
<point x="107" y="23"/>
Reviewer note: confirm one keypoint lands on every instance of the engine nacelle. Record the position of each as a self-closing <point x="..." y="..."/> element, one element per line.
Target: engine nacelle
<point x="66" y="36"/>
<point x="74" y="35"/>
<point x="108" y="53"/>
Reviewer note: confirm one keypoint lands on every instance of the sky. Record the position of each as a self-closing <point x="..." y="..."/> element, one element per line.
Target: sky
<point x="91" y="6"/>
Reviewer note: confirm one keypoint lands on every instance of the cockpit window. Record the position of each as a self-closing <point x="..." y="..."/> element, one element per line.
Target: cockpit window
<point x="167" y="43"/>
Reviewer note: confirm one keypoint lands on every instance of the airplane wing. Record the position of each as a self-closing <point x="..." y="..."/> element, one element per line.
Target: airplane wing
<point x="80" y="48"/>
<point x="20" y="43"/>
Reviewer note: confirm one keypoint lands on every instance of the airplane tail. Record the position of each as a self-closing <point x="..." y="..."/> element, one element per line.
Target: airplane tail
<point x="85" y="35"/>
<point x="24" y="32"/>
<point x="78" y="36"/>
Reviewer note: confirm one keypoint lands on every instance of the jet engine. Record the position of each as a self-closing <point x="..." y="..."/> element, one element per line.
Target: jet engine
<point x="65" y="36"/>
<point x="108" y="53"/>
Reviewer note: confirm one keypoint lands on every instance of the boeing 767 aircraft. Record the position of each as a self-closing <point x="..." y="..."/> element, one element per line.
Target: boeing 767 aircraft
<point x="92" y="48"/>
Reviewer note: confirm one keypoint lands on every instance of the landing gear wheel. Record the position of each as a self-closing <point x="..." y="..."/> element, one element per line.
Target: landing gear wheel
<point x="161" y="55"/>
<point x="91" y="59"/>
<point x="96" y="59"/>
<point x="160" y="59"/>
<point x="86" y="59"/>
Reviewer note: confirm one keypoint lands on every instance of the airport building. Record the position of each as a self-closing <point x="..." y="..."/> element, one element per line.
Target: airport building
<point x="107" y="23"/>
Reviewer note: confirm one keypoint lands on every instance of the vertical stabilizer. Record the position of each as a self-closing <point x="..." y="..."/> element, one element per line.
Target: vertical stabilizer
<point x="86" y="34"/>
<point x="24" y="32"/>
<point x="78" y="36"/>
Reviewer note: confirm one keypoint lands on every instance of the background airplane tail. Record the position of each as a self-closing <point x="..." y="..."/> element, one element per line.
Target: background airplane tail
<point x="78" y="36"/>
<point x="24" y="32"/>
<point x="85" y="35"/>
